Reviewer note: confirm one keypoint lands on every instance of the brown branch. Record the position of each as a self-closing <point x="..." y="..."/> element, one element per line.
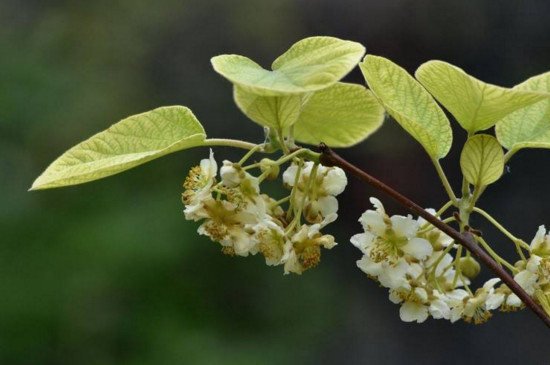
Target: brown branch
<point x="466" y="239"/>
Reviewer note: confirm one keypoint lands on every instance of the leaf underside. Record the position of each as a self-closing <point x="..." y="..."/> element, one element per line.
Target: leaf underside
<point x="126" y="144"/>
<point x="482" y="160"/>
<point x="271" y="111"/>
<point x="475" y="104"/>
<point x="341" y="116"/>
<point x="530" y="126"/>
<point x="409" y="104"/>
<point x="311" y="64"/>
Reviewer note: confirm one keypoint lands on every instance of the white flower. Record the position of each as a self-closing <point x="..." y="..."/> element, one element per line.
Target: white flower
<point x="272" y="242"/>
<point x="292" y="265"/>
<point x="404" y="226"/>
<point x="306" y="248"/>
<point x="443" y="263"/>
<point x="418" y="268"/>
<point x="527" y="280"/>
<point x="319" y="201"/>
<point x="394" y="276"/>
<point x="369" y="267"/>
<point x="226" y="224"/>
<point x="378" y="205"/>
<point x="456" y="300"/>
<point x="422" y="221"/>
<point x="289" y="176"/>
<point x="540" y="245"/>
<point x="494" y="298"/>
<point x="197" y="188"/>
<point x="335" y="181"/>
<point x="231" y="176"/>
<point x="419" y="248"/>
<point x="373" y="221"/>
<point x="443" y="239"/>
<point x="413" y="312"/>
<point x="328" y="205"/>
<point x="439" y="308"/>
<point x="513" y="300"/>
<point x="363" y="241"/>
<point x="209" y="168"/>
<point x="477" y="308"/>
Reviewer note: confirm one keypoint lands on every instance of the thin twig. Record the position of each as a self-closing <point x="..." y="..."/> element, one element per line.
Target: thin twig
<point x="466" y="239"/>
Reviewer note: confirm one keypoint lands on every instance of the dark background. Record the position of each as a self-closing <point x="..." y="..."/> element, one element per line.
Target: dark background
<point x="111" y="273"/>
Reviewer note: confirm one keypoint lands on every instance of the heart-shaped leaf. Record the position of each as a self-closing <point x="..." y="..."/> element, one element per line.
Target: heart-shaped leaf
<point x="475" y="104"/>
<point x="311" y="64"/>
<point x="530" y="126"/>
<point x="126" y="144"/>
<point x="409" y="104"/>
<point x="482" y="160"/>
<point x="341" y="116"/>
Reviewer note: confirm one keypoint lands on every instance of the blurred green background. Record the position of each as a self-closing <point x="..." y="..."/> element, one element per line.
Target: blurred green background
<point x="111" y="273"/>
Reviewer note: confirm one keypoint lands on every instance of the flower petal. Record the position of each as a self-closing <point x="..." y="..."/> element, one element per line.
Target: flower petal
<point x="335" y="181"/>
<point x="419" y="248"/>
<point x="328" y="205"/>
<point x="404" y="226"/>
<point x="413" y="312"/>
<point x="369" y="267"/>
<point x="374" y="222"/>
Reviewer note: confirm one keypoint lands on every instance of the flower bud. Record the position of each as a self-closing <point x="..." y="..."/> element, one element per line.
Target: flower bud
<point x="520" y="265"/>
<point x="231" y="174"/>
<point x="433" y="236"/>
<point x="469" y="267"/>
<point x="267" y="164"/>
<point x="335" y="181"/>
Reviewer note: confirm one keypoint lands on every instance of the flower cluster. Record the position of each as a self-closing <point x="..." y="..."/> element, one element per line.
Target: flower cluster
<point x="412" y="259"/>
<point x="534" y="274"/>
<point x="244" y="221"/>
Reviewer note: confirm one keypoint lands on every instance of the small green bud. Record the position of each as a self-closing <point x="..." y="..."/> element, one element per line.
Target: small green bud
<point x="267" y="164"/>
<point x="520" y="265"/>
<point x="469" y="267"/>
<point x="433" y="238"/>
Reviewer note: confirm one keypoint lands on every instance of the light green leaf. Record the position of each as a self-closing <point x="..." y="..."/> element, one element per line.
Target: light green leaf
<point x="409" y="104"/>
<point x="475" y="104"/>
<point x="311" y="64"/>
<point x="272" y="111"/>
<point x="482" y="160"/>
<point x="341" y="116"/>
<point x="528" y="127"/>
<point x="126" y="144"/>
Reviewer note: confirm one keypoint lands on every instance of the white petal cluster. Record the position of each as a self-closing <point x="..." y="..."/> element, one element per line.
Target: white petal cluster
<point x="413" y="261"/>
<point x="320" y="203"/>
<point x="534" y="277"/>
<point x="244" y="221"/>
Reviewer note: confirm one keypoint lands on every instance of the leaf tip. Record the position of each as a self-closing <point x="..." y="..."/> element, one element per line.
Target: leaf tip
<point x="35" y="185"/>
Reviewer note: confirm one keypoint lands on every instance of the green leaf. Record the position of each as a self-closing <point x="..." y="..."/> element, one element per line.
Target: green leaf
<point x="409" y="104"/>
<point x="309" y="65"/>
<point x="475" y="104"/>
<point x="341" y="116"/>
<point x="272" y="111"/>
<point x="530" y="126"/>
<point x="126" y="144"/>
<point x="482" y="160"/>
